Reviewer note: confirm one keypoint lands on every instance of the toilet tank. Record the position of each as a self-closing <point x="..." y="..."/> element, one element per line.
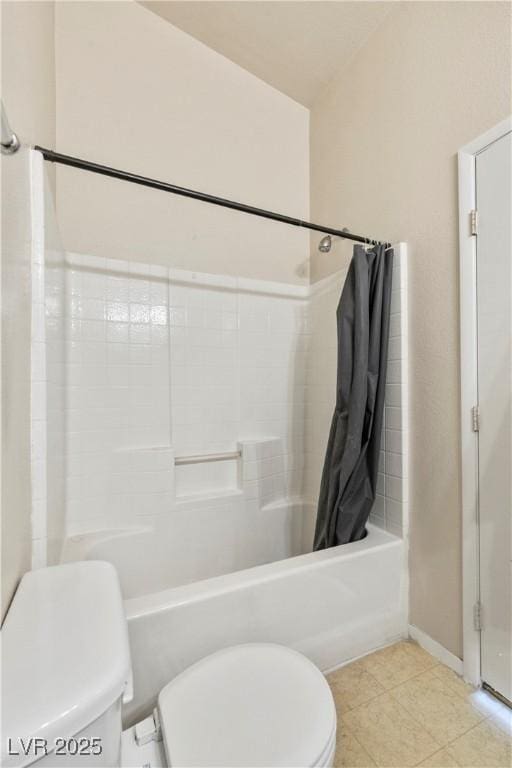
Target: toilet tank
<point x="65" y="668"/>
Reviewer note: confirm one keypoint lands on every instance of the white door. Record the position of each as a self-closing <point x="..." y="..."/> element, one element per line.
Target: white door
<point x="494" y="292"/>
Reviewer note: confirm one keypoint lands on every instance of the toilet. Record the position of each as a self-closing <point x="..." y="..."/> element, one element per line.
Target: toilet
<point x="67" y="671"/>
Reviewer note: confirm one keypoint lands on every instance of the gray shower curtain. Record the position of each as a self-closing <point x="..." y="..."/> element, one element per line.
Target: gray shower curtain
<point x="349" y="477"/>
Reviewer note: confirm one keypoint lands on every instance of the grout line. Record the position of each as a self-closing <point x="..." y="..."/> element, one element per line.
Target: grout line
<point x="363" y="747"/>
<point x="403" y="709"/>
<point x="433" y="735"/>
<point x="420" y="722"/>
<point x="459" y="694"/>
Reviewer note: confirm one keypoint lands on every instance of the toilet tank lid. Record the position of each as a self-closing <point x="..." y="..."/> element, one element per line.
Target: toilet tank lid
<point x="65" y="654"/>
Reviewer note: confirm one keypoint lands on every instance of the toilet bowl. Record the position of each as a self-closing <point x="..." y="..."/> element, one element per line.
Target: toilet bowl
<point x="67" y="670"/>
<point x="257" y="704"/>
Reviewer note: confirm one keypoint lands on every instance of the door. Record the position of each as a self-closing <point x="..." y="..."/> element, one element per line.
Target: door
<point x="494" y="341"/>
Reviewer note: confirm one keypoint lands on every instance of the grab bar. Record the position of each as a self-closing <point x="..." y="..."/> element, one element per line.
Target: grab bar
<point x="207" y="457"/>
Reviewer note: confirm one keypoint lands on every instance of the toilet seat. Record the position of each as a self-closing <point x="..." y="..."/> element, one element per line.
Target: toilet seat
<point x="258" y="704"/>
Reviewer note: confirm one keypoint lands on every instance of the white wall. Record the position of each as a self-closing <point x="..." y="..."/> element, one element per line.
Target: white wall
<point x="136" y="93"/>
<point x="384" y="138"/>
<point x="28" y="91"/>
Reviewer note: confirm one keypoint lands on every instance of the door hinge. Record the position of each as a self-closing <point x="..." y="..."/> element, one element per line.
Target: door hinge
<point x="473" y="221"/>
<point x="477" y="616"/>
<point x="475" y="418"/>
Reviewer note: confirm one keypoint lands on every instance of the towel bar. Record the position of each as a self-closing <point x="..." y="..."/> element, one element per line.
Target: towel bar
<point x="207" y="457"/>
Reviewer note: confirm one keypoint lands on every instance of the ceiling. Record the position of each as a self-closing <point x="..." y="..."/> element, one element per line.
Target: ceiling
<point x="297" y="47"/>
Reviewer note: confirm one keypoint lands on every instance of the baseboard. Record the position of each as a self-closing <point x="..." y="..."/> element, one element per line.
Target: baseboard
<point x="437" y="650"/>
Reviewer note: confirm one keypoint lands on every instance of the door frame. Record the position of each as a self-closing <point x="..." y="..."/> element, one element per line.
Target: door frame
<point x="469" y="395"/>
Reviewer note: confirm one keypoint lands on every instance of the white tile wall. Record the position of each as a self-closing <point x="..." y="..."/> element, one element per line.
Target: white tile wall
<point x="160" y="363"/>
<point x="55" y="397"/>
<point x="205" y="381"/>
<point x="391" y="512"/>
<point x="264" y="471"/>
<point x="187" y="362"/>
<point x="117" y="373"/>
<point x="321" y="367"/>
<point x="273" y="341"/>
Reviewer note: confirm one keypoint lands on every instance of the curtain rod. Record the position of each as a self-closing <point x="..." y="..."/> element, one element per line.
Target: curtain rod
<point x="105" y="170"/>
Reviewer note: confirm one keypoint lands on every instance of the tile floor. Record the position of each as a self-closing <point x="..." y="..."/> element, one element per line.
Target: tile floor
<point x="399" y="707"/>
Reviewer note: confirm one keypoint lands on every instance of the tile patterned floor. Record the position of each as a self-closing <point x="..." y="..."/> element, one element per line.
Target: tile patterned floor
<point x="399" y="707"/>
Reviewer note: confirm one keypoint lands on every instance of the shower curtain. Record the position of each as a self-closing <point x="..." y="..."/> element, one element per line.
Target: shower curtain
<point x="349" y="477"/>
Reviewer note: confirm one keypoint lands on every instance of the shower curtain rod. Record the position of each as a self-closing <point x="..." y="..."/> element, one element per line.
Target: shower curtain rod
<point x="105" y="170"/>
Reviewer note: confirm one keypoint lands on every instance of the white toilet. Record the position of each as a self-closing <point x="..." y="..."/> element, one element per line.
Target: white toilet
<point x="66" y="671"/>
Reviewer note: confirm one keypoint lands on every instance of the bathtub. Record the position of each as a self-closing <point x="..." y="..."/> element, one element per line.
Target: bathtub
<point x="332" y="605"/>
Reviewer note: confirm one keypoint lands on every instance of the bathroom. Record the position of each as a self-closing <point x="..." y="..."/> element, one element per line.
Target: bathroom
<point x="188" y="190"/>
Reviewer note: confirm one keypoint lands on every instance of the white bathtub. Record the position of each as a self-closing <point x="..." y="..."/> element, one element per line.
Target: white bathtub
<point x="332" y="605"/>
<point x="183" y="601"/>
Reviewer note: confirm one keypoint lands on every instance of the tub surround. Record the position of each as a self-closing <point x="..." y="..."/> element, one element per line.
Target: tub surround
<point x="139" y="363"/>
<point x="184" y="362"/>
<point x="199" y="536"/>
<point x="159" y="362"/>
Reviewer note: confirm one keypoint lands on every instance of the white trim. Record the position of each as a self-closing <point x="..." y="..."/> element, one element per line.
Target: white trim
<point x="436" y="650"/>
<point x="469" y="398"/>
<point x="76" y="260"/>
<point x="38" y="381"/>
<point x="211" y="280"/>
<point x="469" y="395"/>
<point x="493" y="134"/>
<point x="288" y="290"/>
<point x="401" y="253"/>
